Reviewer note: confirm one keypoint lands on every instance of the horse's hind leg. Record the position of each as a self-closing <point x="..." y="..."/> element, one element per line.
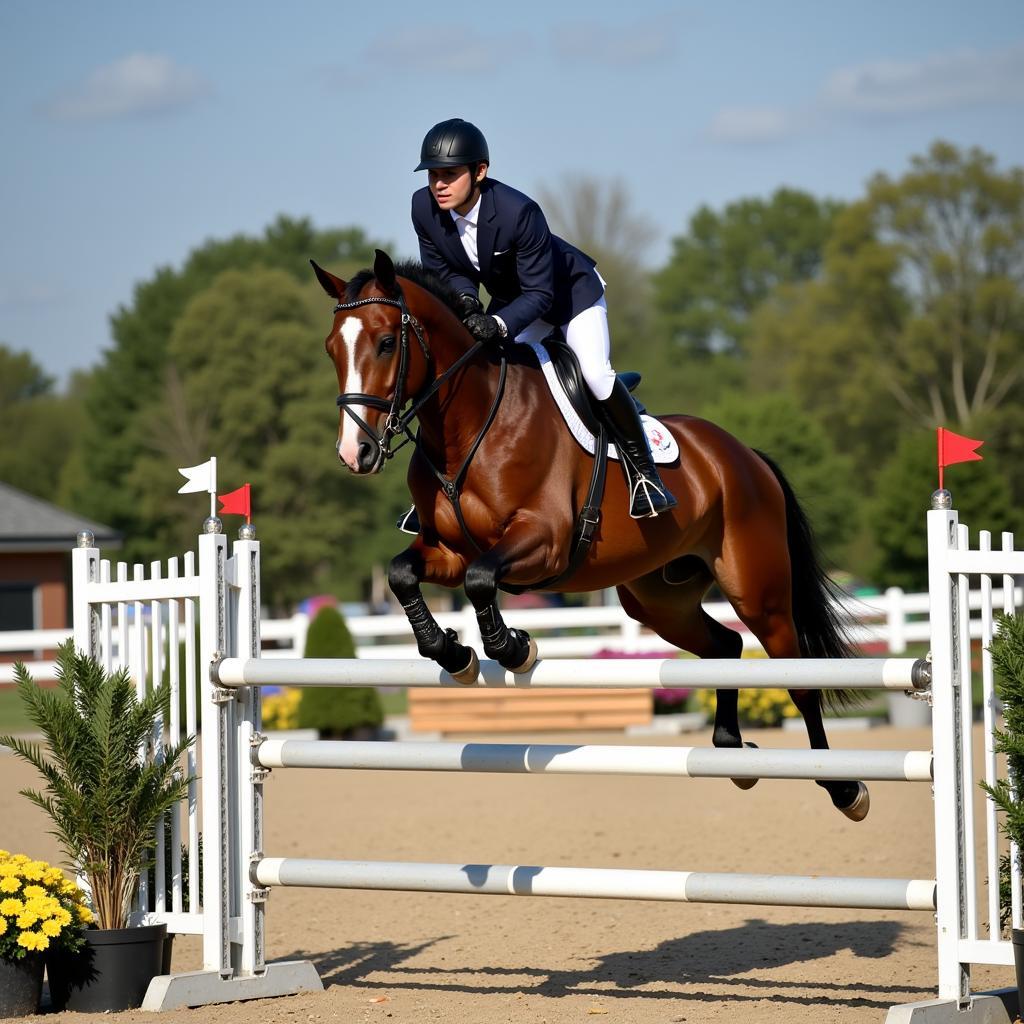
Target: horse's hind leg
<point x="673" y="610"/>
<point x="777" y="633"/>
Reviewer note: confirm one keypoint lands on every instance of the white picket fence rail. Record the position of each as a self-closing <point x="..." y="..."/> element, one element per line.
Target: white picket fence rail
<point x="893" y="619"/>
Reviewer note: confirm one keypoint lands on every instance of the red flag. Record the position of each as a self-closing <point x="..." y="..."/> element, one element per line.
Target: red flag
<point x="954" y="448"/>
<point x="236" y="503"/>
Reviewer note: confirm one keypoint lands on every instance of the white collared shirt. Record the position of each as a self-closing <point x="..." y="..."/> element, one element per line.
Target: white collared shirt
<point x="466" y="226"/>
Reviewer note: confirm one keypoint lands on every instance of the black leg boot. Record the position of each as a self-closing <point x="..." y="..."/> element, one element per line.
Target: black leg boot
<point x="648" y="496"/>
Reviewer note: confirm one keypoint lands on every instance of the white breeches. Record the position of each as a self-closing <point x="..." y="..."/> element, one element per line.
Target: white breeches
<point x="587" y="335"/>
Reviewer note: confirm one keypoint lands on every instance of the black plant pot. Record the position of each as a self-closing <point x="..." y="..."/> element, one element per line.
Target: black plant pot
<point x="112" y="972"/>
<point x="1018" y="962"/>
<point x="21" y="984"/>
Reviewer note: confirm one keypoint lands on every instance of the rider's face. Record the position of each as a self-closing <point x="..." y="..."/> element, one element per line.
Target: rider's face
<point x="453" y="187"/>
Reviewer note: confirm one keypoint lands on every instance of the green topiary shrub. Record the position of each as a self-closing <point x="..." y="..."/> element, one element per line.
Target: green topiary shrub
<point x="341" y="712"/>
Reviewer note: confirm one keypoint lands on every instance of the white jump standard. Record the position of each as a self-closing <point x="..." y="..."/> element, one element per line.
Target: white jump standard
<point x="223" y="598"/>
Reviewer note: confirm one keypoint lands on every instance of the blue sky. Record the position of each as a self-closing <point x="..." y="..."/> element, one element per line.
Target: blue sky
<point x="134" y="131"/>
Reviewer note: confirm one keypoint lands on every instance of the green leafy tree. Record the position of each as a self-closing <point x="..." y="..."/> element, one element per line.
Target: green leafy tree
<point x="722" y="269"/>
<point x="820" y="476"/>
<point x="133" y="376"/>
<point x="896" y="515"/>
<point x="39" y="428"/>
<point x="917" y="319"/>
<point x="339" y="711"/>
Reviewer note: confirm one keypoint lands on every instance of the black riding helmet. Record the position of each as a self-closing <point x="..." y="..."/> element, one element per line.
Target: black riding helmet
<point x="452" y="143"/>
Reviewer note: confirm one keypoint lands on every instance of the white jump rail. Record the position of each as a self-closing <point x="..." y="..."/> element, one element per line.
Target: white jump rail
<point x="566" y="759"/>
<point x="786" y="673"/>
<point x="224" y="599"/>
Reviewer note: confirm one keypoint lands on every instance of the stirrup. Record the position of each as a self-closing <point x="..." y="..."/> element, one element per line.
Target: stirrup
<point x="409" y="522"/>
<point x="647" y="494"/>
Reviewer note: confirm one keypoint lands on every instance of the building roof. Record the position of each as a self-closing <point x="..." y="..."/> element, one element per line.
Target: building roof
<point x="28" y="524"/>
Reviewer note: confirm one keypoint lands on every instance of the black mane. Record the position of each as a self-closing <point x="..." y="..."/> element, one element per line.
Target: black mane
<point x="418" y="274"/>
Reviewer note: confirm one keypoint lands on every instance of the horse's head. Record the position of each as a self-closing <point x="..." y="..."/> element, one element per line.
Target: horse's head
<point x="380" y="355"/>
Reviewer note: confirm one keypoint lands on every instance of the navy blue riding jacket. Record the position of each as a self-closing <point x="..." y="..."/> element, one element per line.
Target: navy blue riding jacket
<point x="529" y="273"/>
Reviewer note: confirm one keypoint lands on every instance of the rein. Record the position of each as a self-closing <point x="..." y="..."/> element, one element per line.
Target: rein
<point x="397" y="422"/>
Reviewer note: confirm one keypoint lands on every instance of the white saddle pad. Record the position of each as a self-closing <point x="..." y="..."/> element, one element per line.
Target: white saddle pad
<point x="663" y="444"/>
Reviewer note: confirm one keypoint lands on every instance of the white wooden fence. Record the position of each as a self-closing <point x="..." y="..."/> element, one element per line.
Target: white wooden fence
<point x="890" y="621"/>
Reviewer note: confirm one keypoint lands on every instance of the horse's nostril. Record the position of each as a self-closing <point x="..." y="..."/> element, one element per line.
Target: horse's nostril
<point x="365" y="454"/>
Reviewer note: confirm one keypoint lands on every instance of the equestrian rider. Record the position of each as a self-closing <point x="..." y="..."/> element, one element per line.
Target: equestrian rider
<point x="476" y="231"/>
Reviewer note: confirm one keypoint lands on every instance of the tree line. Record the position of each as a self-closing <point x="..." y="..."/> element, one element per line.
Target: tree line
<point x="833" y="336"/>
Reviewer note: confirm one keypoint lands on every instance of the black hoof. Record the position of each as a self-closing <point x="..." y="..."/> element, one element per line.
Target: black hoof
<point x="517" y="654"/>
<point x="746" y="783"/>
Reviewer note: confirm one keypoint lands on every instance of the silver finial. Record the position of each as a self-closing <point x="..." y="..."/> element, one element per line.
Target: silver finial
<point x="211" y="524"/>
<point x="86" y="539"/>
<point x="942" y="499"/>
<point x="247" y="531"/>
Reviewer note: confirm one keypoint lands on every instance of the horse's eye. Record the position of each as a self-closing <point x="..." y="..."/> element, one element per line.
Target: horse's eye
<point x="386" y="345"/>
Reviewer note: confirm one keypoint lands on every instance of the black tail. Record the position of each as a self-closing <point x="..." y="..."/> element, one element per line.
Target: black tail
<point x="820" y="627"/>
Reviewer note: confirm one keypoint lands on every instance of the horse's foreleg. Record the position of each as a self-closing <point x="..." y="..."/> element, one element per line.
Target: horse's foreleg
<point x="405" y="574"/>
<point x="513" y="649"/>
<point x="524" y="551"/>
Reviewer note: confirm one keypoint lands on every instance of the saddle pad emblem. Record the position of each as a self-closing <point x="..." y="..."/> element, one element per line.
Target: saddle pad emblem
<point x="663" y="445"/>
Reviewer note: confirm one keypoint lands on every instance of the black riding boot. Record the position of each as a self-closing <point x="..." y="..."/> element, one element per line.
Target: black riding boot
<point x="648" y="496"/>
<point x="409" y="522"/>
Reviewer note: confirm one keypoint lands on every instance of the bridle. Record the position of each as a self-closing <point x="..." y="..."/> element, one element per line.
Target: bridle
<point x="397" y="422"/>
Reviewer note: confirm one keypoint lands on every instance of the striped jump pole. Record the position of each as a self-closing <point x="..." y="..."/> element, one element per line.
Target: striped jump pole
<point x="600" y="883"/>
<point x="567" y="759"/>
<point x="702" y="674"/>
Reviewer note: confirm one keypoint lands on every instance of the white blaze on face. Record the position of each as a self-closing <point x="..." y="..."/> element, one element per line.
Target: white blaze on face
<point x="348" y="442"/>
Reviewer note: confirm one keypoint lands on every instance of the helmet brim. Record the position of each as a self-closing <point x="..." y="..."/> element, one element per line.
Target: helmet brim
<point x="427" y="165"/>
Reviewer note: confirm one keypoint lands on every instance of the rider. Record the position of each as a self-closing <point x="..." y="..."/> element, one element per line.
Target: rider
<point x="474" y="230"/>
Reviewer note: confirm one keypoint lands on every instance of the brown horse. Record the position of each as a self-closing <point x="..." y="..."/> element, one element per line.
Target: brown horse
<point x="491" y="437"/>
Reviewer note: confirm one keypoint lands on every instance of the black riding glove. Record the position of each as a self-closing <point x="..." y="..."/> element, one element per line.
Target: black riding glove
<point x="483" y="327"/>
<point x="468" y="305"/>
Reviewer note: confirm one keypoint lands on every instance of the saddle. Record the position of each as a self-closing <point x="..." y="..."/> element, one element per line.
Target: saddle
<point x="570" y="376"/>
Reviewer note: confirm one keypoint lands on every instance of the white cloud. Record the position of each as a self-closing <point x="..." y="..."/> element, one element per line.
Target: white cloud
<point x="139" y="84"/>
<point x="944" y="81"/>
<point x="755" y="125"/>
<point x="617" y="46"/>
<point x="438" y="50"/>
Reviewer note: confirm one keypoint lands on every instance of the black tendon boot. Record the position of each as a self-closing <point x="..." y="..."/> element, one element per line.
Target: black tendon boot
<point x="648" y="496"/>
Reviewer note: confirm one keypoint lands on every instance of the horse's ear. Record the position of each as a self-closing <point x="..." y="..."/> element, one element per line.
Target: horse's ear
<point x="384" y="271"/>
<point x="334" y="286"/>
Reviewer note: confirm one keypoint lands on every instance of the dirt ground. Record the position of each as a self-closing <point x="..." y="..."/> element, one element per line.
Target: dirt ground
<point x="399" y="958"/>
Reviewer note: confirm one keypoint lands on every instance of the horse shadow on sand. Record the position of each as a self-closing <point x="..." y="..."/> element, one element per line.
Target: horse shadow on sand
<point x="730" y="961"/>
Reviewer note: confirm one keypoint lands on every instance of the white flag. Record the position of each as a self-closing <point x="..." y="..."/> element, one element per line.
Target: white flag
<point x="199" y="478"/>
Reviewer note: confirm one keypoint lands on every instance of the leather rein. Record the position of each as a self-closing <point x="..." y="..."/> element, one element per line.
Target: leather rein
<point x="398" y="422"/>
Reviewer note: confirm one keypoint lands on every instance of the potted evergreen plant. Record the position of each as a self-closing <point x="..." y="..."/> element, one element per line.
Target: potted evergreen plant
<point x="1007" y="651"/>
<point x="105" y="801"/>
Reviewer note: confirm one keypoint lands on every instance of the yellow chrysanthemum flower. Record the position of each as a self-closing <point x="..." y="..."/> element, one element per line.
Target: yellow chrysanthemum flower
<point x="8" y="870"/>
<point x="51" y="928"/>
<point x="4" y="854"/>
<point x="69" y="888"/>
<point x="3" y="925"/>
<point x="11" y="907"/>
<point x="62" y="917"/>
<point x="20" y="858"/>
<point x="27" y="918"/>
<point x="33" y="871"/>
<point x="33" y="940"/>
<point x="9" y="884"/>
<point x="34" y="891"/>
<point x="84" y="914"/>
<point x="53" y="876"/>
